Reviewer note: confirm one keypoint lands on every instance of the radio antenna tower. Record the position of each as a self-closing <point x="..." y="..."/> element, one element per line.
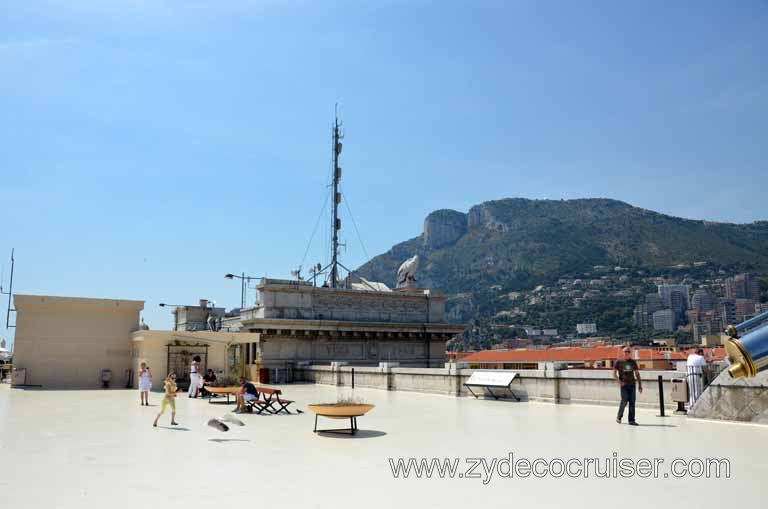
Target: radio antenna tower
<point x="335" y="220"/>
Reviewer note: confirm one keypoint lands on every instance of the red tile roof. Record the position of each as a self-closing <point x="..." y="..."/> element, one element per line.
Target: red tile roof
<point x="578" y="354"/>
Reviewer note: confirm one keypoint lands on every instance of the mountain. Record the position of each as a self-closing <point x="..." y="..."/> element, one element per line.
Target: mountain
<point x="517" y="243"/>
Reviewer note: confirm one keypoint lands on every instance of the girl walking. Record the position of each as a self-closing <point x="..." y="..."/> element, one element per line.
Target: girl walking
<point x="169" y="399"/>
<point x="145" y="383"/>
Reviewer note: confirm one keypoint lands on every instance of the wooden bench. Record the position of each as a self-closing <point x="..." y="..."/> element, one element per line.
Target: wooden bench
<point x="269" y="400"/>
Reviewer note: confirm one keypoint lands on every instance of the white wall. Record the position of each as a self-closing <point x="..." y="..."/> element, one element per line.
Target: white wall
<point x="563" y="387"/>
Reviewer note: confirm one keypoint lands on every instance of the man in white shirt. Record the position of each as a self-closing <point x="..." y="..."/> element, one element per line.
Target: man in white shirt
<point x="695" y="367"/>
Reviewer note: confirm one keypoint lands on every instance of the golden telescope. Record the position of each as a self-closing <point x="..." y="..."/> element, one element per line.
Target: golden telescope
<point x="748" y="353"/>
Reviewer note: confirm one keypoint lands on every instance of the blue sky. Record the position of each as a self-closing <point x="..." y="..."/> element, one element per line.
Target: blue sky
<point x="148" y="147"/>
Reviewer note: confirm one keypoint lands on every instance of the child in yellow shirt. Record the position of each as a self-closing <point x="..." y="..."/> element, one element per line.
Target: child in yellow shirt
<point x="169" y="399"/>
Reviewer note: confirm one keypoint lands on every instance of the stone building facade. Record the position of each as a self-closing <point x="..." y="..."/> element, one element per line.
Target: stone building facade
<point x="296" y="322"/>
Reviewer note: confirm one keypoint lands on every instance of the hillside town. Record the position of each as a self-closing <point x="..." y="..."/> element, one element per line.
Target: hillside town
<point x="689" y="304"/>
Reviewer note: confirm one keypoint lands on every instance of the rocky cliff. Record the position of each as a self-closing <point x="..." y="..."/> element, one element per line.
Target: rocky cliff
<point x="517" y="243"/>
<point x="443" y="228"/>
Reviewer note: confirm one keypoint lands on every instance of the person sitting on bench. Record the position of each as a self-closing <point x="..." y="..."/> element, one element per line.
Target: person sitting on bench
<point x="208" y="379"/>
<point x="246" y="393"/>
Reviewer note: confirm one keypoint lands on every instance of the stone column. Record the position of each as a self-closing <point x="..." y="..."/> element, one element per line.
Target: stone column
<point x="386" y="368"/>
<point x="454" y="375"/>
<point x="336" y="369"/>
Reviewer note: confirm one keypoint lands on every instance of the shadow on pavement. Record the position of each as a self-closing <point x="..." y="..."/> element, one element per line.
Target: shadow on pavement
<point x="361" y="433"/>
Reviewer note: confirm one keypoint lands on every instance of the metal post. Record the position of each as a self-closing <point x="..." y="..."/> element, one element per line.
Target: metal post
<point x="242" y="292"/>
<point x="353" y="378"/>
<point x="661" y="397"/>
<point x="10" y="293"/>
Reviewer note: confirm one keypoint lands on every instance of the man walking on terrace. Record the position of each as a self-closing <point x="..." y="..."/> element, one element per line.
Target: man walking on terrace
<point x="627" y="374"/>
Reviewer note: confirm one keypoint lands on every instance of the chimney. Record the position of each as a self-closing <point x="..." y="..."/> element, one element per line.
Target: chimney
<point x="203" y="303"/>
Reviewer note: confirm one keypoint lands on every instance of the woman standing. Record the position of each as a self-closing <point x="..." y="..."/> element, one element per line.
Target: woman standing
<point x="145" y="383"/>
<point x="169" y="399"/>
<point x="194" y="377"/>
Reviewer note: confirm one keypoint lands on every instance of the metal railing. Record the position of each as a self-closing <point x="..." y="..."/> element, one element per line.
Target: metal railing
<point x="698" y="379"/>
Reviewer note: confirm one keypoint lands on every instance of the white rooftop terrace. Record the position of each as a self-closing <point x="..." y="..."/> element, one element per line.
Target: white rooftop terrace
<point x="97" y="449"/>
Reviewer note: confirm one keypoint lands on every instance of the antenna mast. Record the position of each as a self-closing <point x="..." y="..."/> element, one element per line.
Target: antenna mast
<point x="10" y="295"/>
<point x="336" y="221"/>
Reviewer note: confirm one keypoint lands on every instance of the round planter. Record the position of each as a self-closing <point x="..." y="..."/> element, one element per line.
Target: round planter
<point x="340" y="411"/>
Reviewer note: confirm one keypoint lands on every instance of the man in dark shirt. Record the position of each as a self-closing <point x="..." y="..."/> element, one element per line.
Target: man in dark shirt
<point x="208" y="379"/>
<point x="627" y="374"/>
<point x="246" y="393"/>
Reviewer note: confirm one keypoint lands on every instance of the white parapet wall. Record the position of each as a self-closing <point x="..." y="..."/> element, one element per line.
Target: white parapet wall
<point x="557" y="386"/>
<point x="740" y="399"/>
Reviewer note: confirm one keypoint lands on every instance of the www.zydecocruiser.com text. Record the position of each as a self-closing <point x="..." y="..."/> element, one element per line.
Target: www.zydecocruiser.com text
<point x="510" y="467"/>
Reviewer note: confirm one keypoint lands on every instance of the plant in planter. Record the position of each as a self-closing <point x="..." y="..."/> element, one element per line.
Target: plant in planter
<point x="343" y="407"/>
<point x="347" y="407"/>
<point x="344" y="401"/>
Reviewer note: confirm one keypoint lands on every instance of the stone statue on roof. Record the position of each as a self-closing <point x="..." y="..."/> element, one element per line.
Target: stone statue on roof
<point x="406" y="274"/>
